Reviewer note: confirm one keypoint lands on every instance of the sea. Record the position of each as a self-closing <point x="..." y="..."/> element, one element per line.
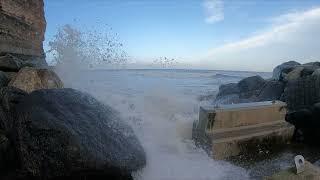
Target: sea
<point x="161" y="105"/>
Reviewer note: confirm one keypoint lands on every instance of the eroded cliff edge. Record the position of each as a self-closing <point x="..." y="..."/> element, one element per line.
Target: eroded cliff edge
<point x="22" y="27"/>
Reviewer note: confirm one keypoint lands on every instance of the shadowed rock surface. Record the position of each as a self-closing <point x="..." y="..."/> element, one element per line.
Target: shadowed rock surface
<point x="272" y="90"/>
<point x="63" y="132"/>
<point x="10" y="63"/>
<point x="4" y="80"/>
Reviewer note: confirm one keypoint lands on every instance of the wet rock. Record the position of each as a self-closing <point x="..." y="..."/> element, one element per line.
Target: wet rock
<point x="10" y="63"/>
<point x="308" y="70"/>
<point x="316" y="72"/>
<point x="10" y="75"/>
<point x="302" y="93"/>
<point x="9" y="98"/>
<point x="294" y="74"/>
<point x="228" y="89"/>
<point x="30" y="79"/>
<point x="4" y="80"/>
<point x="316" y="63"/>
<point x="67" y="133"/>
<point x="306" y="122"/>
<point x="4" y="152"/>
<point x="250" y="86"/>
<point x="272" y="90"/>
<point x="284" y="68"/>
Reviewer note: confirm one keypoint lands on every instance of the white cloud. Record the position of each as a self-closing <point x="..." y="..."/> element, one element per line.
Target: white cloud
<point x="292" y="36"/>
<point x="213" y="11"/>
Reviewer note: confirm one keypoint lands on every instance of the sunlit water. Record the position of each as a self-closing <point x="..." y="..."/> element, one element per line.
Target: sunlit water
<point x="161" y="106"/>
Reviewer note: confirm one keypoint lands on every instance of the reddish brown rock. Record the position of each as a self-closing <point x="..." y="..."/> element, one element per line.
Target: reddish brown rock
<point x="30" y="79"/>
<point x="22" y="27"/>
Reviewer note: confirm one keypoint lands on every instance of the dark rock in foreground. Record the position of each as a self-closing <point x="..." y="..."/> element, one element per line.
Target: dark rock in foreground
<point x="4" y="80"/>
<point x="306" y="122"/>
<point x="66" y="133"/>
<point x="302" y="93"/>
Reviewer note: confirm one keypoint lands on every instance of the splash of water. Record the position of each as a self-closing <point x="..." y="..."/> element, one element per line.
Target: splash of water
<point x="161" y="118"/>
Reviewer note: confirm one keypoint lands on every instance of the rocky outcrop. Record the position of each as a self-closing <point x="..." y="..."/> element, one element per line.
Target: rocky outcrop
<point x="297" y="85"/>
<point x="228" y="89"/>
<point x="306" y="121"/>
<point x="51" y="133"/>
<point x="282" y="69"/>
<point x="272" y="90"/>
<point x="4" y="80"/>
<point x="22" y="27"/>
<point x="303" y="92"/>
<point x="30" y="79"/>
<point x="64" y="133"/>
<point x="250" y="89"/>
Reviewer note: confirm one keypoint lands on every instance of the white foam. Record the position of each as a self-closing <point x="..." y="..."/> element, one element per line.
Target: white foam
<point x="156" y="111"/>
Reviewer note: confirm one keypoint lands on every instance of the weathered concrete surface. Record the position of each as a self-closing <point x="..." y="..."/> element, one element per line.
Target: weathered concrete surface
<point x="229" y="130"/>
<point x="22" y="27"/>
<point x="236" y="115"/>
<point x="234" y="141"/>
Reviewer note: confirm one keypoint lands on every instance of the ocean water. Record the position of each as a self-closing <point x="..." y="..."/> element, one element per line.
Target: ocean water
<point x="161" y="105"/>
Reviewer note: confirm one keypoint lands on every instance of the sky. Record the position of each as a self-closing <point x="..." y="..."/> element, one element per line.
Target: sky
<point x="251" y="35"/>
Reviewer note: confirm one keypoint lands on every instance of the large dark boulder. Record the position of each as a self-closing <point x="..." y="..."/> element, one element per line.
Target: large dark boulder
<point x="228" y="89"/>
<point x="302" y="93"/>
<point x="251" y="86"/>
<point x="316" y="63"/>
<point x="284" y="68"/>
<point x="9" y="98"/>
<point x="67" y="133"/>
<point x="308" y="70"/>
<point x="307" y="124"/>
<point x="272" y="90"/>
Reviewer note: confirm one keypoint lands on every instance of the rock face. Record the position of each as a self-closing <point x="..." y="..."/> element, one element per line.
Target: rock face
<point x="294" y="74"/>
<point x="4" y="80"/>
<point x="250" y="89"/>
<point x="66" y="133"/>
<point x="284" y="69"/>
<point x="272" y="90"/>
<point x="251" y="86"/>
<point x="306" y="121"/>
<point x="297" y="85"/>
<point x="30" y="79"/>
<point x="22" y="27"/>
<point x="10" y="63"/>
<point x="303" y="92"/>
<point x="228" y="89"/>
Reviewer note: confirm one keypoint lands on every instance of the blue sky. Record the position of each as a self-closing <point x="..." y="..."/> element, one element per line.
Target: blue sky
<point x="206" y="34"/>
